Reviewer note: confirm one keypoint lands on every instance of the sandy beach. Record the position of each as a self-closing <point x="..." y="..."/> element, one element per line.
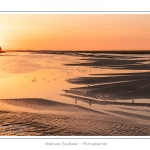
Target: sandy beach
<point x="75" y="94"/>
<point x="63" y="119"/>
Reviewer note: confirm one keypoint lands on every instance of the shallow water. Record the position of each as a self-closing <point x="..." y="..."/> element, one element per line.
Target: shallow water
<point x="24" y="75"/>
<point x="41" y="75"/>
<point x="35" y="75"/>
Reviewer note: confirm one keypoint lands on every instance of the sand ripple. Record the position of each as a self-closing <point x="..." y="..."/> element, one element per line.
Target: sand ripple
<point x="39" y="124"/>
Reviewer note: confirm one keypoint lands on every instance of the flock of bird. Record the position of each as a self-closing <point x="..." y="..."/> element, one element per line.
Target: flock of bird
<point x="67" y="76"/>
<point x="73" y="71"/>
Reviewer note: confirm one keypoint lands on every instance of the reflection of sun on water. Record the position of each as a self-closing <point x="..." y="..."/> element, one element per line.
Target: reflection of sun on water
<point x="37" y="84"/>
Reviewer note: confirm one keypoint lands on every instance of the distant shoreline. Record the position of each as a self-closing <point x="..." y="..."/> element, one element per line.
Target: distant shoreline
<point x="73" y="51"/>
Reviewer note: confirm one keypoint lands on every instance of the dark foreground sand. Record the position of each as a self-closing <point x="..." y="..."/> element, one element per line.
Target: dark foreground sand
<point x="44" y="117"/>
<point x="39" y="124"/>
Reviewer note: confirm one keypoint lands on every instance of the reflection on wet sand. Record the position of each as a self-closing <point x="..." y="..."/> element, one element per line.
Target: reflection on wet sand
<point x="75" y="94"/>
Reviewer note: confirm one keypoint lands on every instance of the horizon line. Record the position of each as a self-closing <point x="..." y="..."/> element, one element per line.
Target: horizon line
<point x="70" y="50"/>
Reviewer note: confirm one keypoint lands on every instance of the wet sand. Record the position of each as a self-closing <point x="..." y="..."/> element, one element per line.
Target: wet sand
<point x="114" y="85"/>
<point x="62" y="119"/>
<point x="75" y="94"/>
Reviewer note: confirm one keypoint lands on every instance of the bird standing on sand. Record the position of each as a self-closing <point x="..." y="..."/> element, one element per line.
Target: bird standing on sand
<point x="76" y="101"/>
<point x="90" y="102"/>
<point x="132" y="101"/>
<point x="66" y="91"/>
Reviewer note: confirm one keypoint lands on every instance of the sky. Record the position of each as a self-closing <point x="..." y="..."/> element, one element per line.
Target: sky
<point x="75" y="31"/>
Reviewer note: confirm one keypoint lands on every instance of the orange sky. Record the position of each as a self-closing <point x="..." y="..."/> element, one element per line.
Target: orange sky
<point x="75" y="31"/>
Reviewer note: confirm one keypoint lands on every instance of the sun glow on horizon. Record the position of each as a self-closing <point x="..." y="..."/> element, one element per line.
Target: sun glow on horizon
<point x="75" y="31"/>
